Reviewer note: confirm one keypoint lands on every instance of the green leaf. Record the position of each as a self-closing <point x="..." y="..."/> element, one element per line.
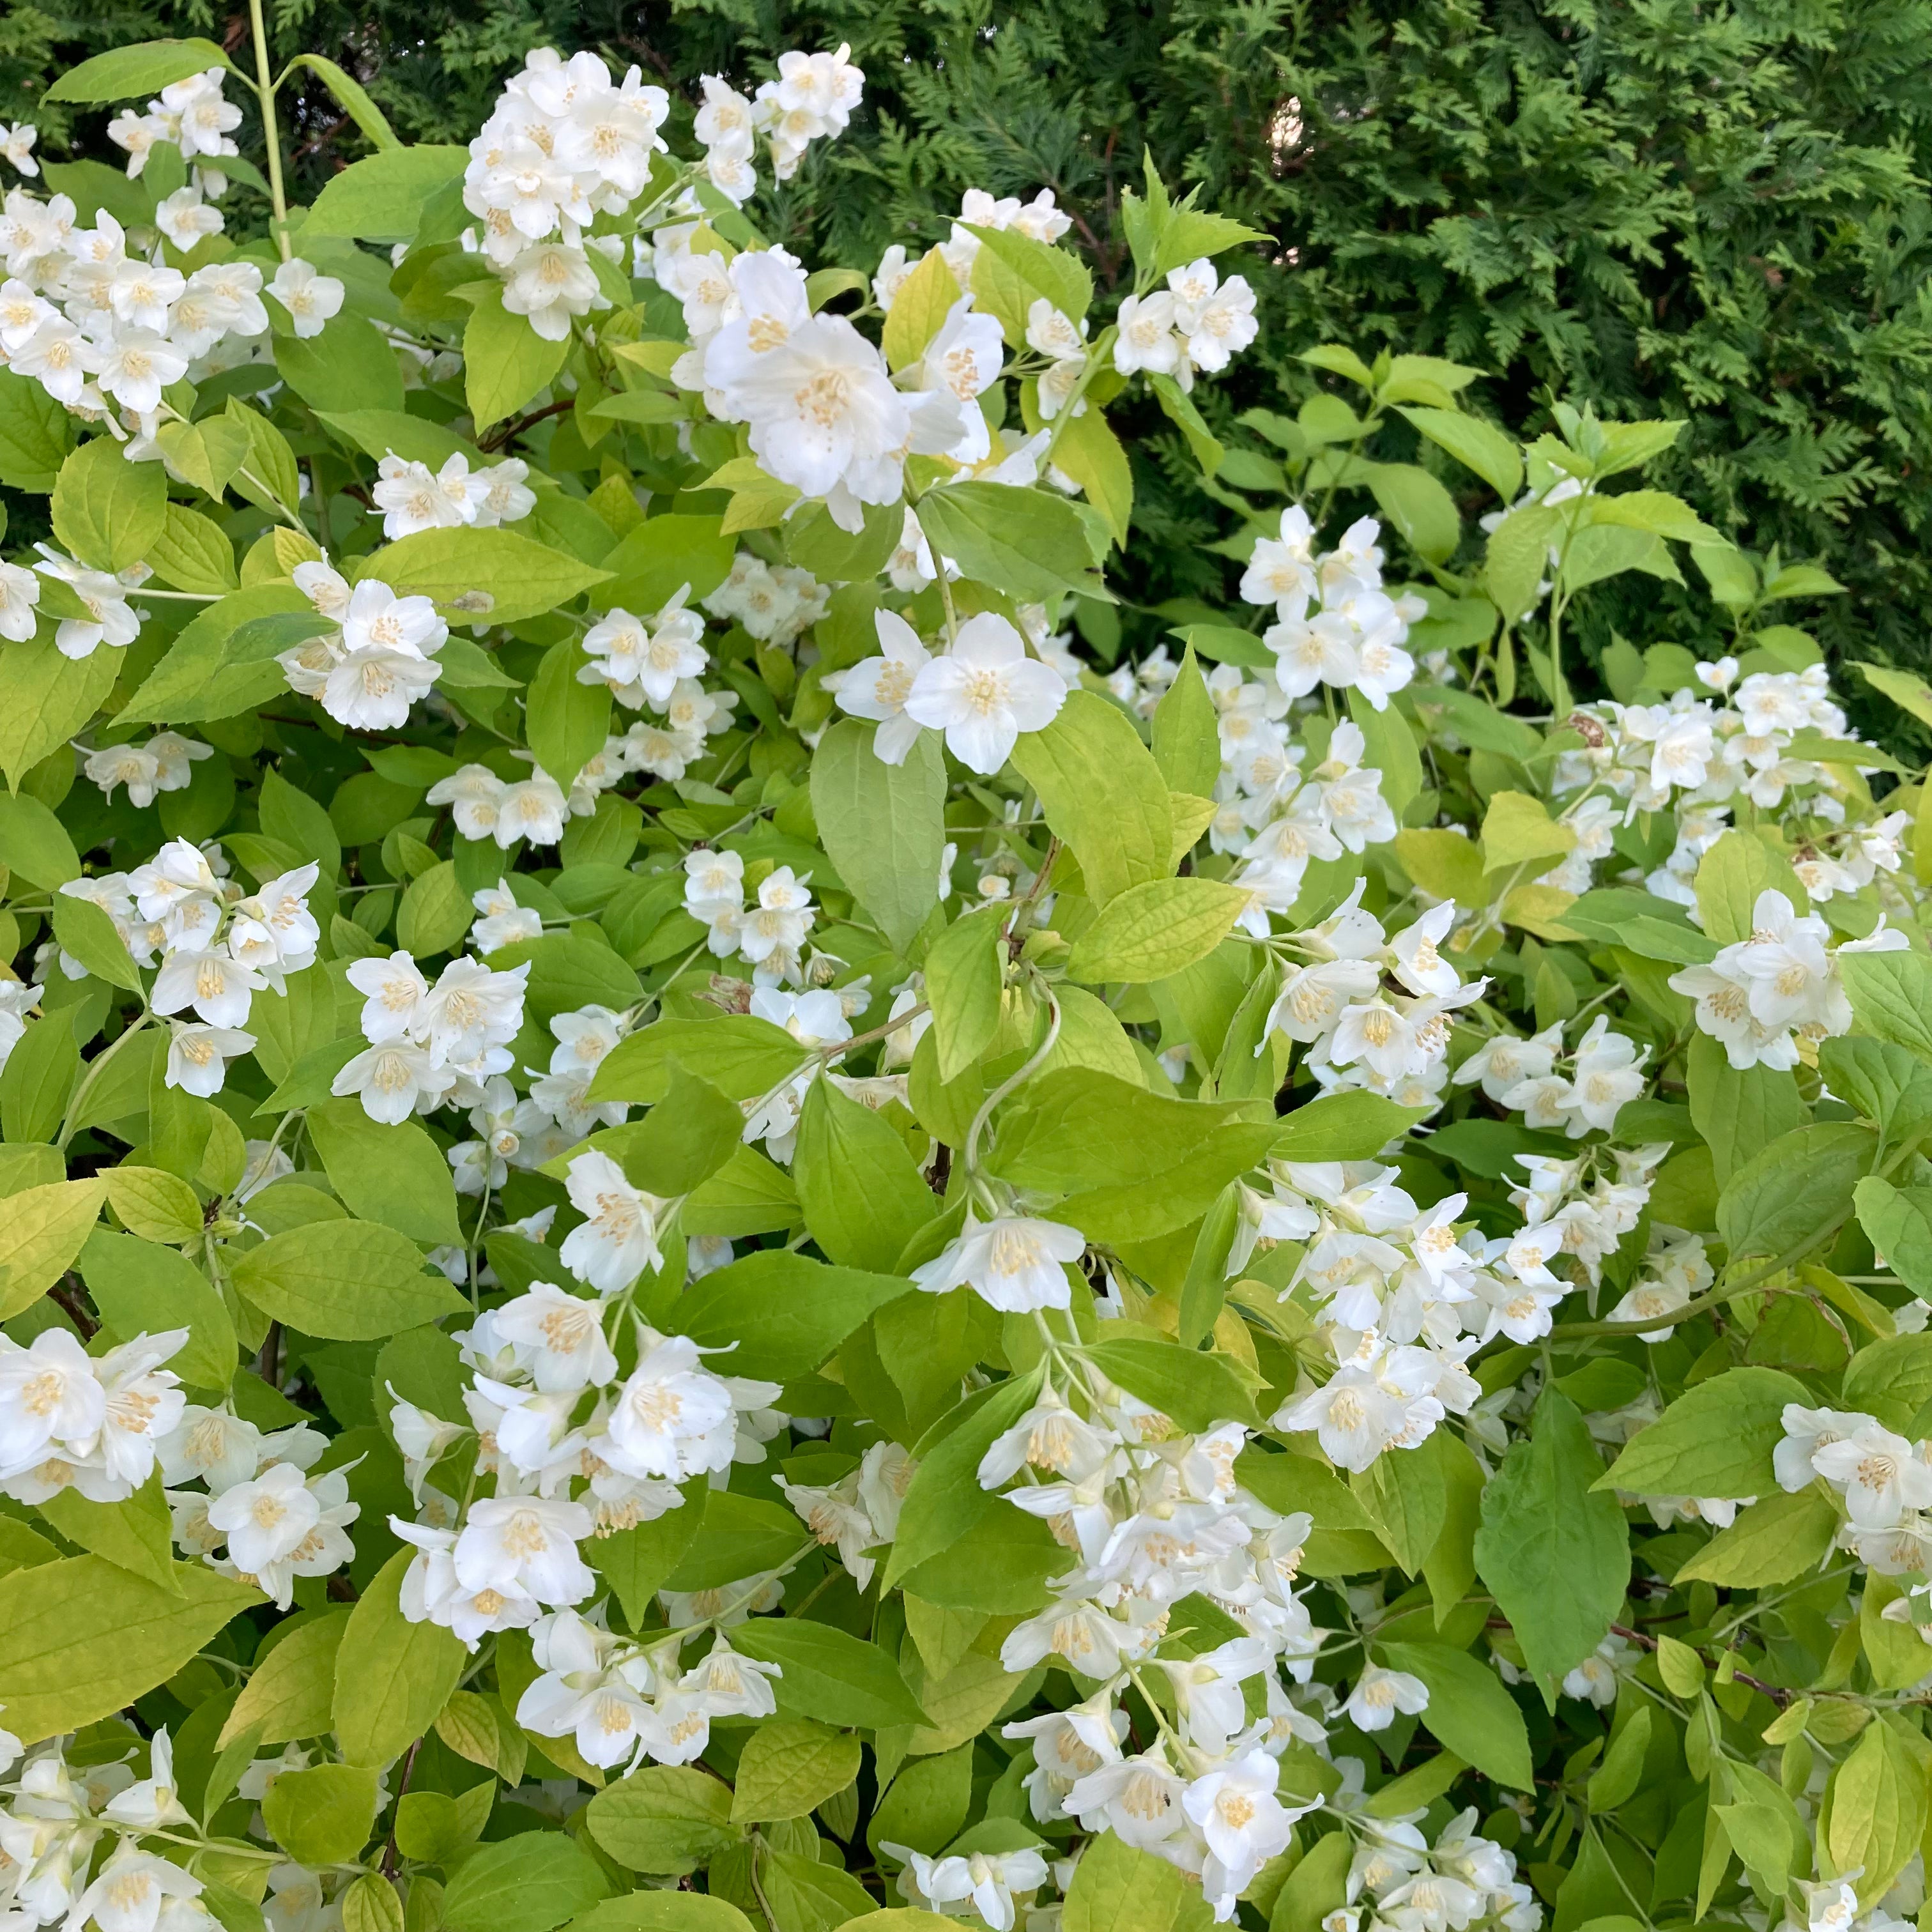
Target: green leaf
<point x="1738" y="1113"/>
<point x="647" y="567"/>
<point x="42" y="1232"/>
<point x="863" y="1195"/>
<point x="1731" y="876"/>
<point x="685" y="1139"/>
<point x="921" y="306"/>
<point x="522" y="579"/>
<point x="191" y="554"/>
<point x="291" y="1692"/>
<point x="1341" y="1126"/>
<point x="1152" y="930"/>
<point x="395" y="1175"/>
<point x="1103" y="793"/>
<point x="146" y="68"/>
<point x="1199" y="1391"/>
<point x="50" y="697"/>
<point x="506" y="364"/>
<point x="1518" y="558"/>
<point x="1774" y="1541"/>
<point x="87" y="934"/>
<point x="1552" y="1548"/>
<point x="1877" y="1811"/>
<point x="945" y="1499"/>
<point x="789" y="1769"/>
<point x="391" y="1676"/>
<point x="1469" y="1712"/>
<point x="663" y="1819"/>
<point x="965" y="972"/>
<point x="637" y="1562"/>
<point x="138" y="1286"/>
<point x="1187" y="732"/>
<point x="324" y="1815"/>
<point x="1519" y="831"/>
<point x="217" y="665"/>
<point x="350" y="365"/>
<point x="1029" y="544"/>
<point x="345" y="1281"/>
<point x="829" y="1675"/>
<point x="784" y="1312"/>
<point x="740" y="1537"/>
<point x="1891" y="994"/>
<point x="362" y="110"/>
<point x="1476" y="445"/>
<point x="382" y="199"/>
<point x="1716" y="1439"/>
<point x="1118" y="1888"/>
<point x="1795" y="1191"/>
<point x="435" y="914"/>
<point x="35" y="844"/>
<point x="528" y="1883"/>
<point x="1899" y="1222"/>
<point x="740" y="1055"/>
<point x="36" y="433"/>
<point x="136" y="1534"/>
<point x="85" y="1638"/>
<point x="1417" y="505"/>
<point x="1013" y="270"/>
<point x="883" y="827"/>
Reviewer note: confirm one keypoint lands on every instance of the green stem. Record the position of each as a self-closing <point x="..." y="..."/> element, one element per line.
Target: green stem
<point x="265" y="92"/>
<point x="70" y="1127"/>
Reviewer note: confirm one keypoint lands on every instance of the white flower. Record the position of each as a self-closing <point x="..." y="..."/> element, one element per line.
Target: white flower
<point x="132" y="1891"/>
<point x="20" y="592"/>
<point x="16" y="145"/>
<point x="108" y="619"/>
<point x="1379" y="1694"/>
<point x="412" y="497"/>
<point x="525" y="1544"/>
<point x="551" y="283"/>
<point x="49" y="1392"/>
<point x="1146" y="339"/>
<point x="561" y="1336"/>
<point x="393" y="1081"/>
<point x="281" y="1525"/>
<point x="878" y="688"/>
<point x="985" y="692"/>
<point x="618" y="1241"/>
<point x="198" y="1057"/>
<point x="220" y="989"/>
<point x="471" y="1009"/>
<point x="1014" y="1263"/>
<point x="1879" y="1474"/>
<point x="673" y="1418"/>
<point x="1244" y="1824"/>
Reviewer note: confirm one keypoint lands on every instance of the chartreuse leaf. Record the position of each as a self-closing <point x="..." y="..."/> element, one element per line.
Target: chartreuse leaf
<point x="790" y="1768"/>
<point x="382" y="199"/>
<point x="42" y="1232"/>
<point x="664" y="1819"/>
<point x="349" y="1281"/>
<point x="863" y="1195"/>
<point x="1155" y="929"/>
<point x="965" y="972"/>
<point x="528" y="1883"/>
<point x="323" y="1815"/>
<point x="85" y="1638"/>
<point x="394" y="1175"/>
<point x="145" y="68"/>
<point x="1103" y="793"/>
<point x="391" y="1676"/>
<point x="291" y="1694"/>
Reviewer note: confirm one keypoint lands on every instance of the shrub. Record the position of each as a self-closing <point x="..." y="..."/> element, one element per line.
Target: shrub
<point x="967" y="1266"/>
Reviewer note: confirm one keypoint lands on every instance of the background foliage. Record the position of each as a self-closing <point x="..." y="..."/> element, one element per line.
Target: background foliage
<point x="1718" y="212"/>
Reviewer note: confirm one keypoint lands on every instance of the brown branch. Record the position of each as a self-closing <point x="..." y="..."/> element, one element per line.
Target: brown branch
<point x="511" y="431"/>
<point x="68" y="1297"/>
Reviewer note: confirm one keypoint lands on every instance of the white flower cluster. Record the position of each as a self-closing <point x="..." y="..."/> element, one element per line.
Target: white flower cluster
<point x="379" y="660"/>
<point x="93" y="1423"/>
<point x="860" y="1513"/>
<point x="195" y="116"/>
<point x="562" y="145"/>
<point x="1769" y="998"/>
<point x="53" y="1819"/>
<point x="1353" y="640"/>
<point x="1676" y="1270"/>
<point x="570" y="1451"/>
<point x="98" y="322"/>
<point x="1697" y="759"/>
<point x="775" y="602"/>
<point x="278" y="1521"/>
<point x="525" y="1133"/>
<point x="1152" y="1516"/>
<point x="217" y="947"/>
<point x="1591" y="1210"/>
<point x="769" y="934"/>
<point x="413" y="497"/>
<point x="1605" y="1073"/>
<point x="997" y="1885"/>
<point x="1361" y="1033"/>
<point x="431" y="1046"/>
<point x="166" y="763"/>
<point x="1883" y="1482"/>
<point x="823" y="413"/>
<point x="1276" y="817"/>
<point x="646" y="661"/>
<point x="811" y="100"/>
<point x="1198" y="322"/>
<point x="1399" y="1882"/>
<point x="1039" y="219"/>
<point x="982" y="693"/>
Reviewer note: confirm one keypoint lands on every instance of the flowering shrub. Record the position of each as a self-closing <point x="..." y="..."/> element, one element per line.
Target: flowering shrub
<point x="705" y="1226"/>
